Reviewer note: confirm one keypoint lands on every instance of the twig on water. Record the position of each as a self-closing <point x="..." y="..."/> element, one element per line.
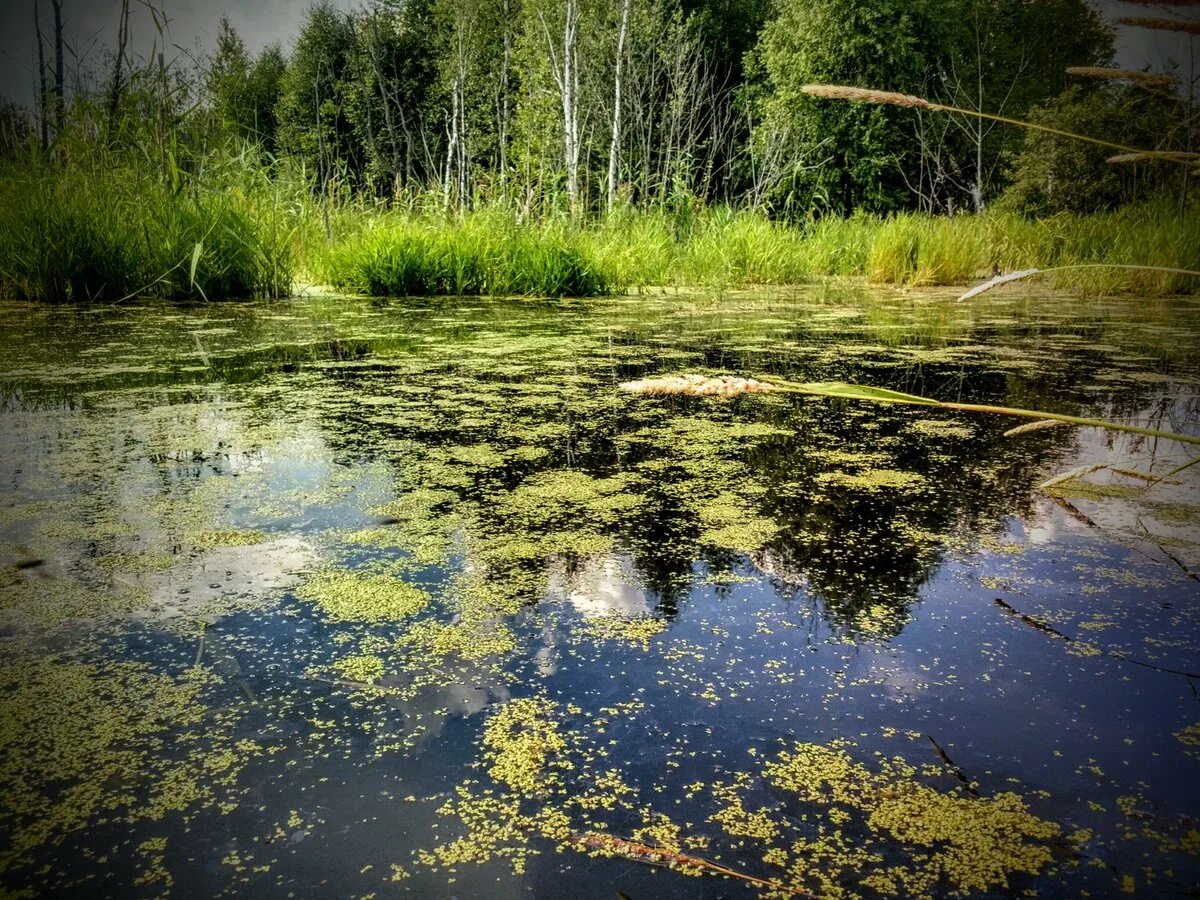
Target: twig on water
<point x="1029" y="273"/>
<point x="953" y="767"/>
<point x="726" y="386"/>
<point x="1032" y="622"/>
<point x="1055" y="633"/>
<point x="657" y="856"/>
<point x="1167" y="553"/>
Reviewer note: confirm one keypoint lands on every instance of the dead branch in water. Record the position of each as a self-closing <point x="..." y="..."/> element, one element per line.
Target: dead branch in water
<point x="1112" y="654"/>
<point x="953" y="767"/>
<point x="670" y="859"/>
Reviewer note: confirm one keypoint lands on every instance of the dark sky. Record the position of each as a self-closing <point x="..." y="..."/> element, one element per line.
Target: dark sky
<point x="193" y="27"/>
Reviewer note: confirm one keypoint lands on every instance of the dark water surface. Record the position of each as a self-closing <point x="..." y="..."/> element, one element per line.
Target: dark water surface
<point x="333" y="598"/>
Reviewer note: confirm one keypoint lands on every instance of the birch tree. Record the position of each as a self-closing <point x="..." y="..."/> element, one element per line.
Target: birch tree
<point x="614" y="147"/>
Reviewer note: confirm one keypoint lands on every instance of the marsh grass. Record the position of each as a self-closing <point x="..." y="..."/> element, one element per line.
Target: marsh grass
<point x="102" y="226"/>
<point x="718" y="248"/>
<point x="107" y="232"/>
<point x="485" y="254"/>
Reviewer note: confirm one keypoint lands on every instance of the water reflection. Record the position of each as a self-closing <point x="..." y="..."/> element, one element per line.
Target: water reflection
<point x="762" y="569"/>
<point x="602" y="585"/>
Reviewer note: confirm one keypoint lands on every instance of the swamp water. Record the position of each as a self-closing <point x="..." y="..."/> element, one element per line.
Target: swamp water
<point x="340" y="598"/>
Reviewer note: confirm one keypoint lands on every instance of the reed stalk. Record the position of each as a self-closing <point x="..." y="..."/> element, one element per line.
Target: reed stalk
<point x="891" y="98"/>
<point x="725" y="386"/>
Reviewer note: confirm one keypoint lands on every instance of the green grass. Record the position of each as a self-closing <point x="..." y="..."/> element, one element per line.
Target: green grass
<point x="100" y="234"/>
<point x="483" y="254"/>
<point x="104" y="229"/>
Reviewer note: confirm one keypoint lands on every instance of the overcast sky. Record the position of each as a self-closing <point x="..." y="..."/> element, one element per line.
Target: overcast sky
<point x="91" y="26"/>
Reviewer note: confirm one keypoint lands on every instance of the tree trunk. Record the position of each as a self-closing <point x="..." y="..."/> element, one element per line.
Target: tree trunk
<point x="570" y="99"/>
<point x="43" y="113"/>
<point x="60" y="91"/>
<point x="502" y="105"/>
<point x="614" y="148"/>
<point x="114" y="96"/>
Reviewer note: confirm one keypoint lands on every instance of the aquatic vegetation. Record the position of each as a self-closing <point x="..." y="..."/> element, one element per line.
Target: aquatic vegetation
<point x="728" y="521"/>
<point x="635" y="630"/>
<point x="966" y="843"/>
<point x="475" y="605"/>
<point x="353" y="597"/>
<point x="874" y="479"/>
<point x="108" y="230"/>
<point x="363" y="668"/>
<point x="26" y="600"/>
<point x="227" y="537"/>
<point x="949" y="839"/>
<point x="83" y="741"/>
<point x="943" y="428"/>
<point x="486" y="256"/>
<point x="523" y="747"/>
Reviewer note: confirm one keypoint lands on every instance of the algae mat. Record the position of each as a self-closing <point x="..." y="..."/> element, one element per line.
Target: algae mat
<point x="346" y="598"/>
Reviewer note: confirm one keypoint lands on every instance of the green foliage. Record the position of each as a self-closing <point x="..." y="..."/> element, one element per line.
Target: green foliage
<point x="1054" y="174"/>
<point x="488" y="252"/>
<point x="1006" y="57"/>
<point x="479" y="255"/>
<point x="315" y="96"/>
<point x="87" y="236"/>
<point x="15" y="129"/>
<point x="843" y="156"/>
<point x="396" y="100"/>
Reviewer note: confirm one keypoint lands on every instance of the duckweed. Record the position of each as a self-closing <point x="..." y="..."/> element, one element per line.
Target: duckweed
<point x="501" y="550"/>
<point x="352" y="597"/>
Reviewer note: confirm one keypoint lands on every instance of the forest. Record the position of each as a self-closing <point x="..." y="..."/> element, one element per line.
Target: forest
<point x="584" y="146"/>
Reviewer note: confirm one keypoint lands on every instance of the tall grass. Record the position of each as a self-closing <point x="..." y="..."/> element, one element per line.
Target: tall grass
<point x="484" y="254"/>
<point x="75" y="234"/>
<point x="488" y="252"/>
<point x="101" y="223"/>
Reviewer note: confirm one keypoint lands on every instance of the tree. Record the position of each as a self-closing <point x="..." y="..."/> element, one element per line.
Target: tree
<point x="243" y="93"/>
<point x="264" y="85"/>
<point x="862" y="150"/>
<point x="316" y="95"/>
<point x="1052" y="174"/>
<point x="1006" y="57"/>
<point x="227" y="78"/>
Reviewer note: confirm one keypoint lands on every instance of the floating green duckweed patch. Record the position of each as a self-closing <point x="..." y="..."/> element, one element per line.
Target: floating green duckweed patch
<point x="943" y="428"/>
<point x="728" y="521"/>
<point x="874" y="480"/>
<point x="362" y="667"/>
<point x="523" y="747"/>
<point x="83" y="742"/>
<point x="636" y="630"/>
<point x="462" y="639"/>
<point x="207" y="539"/>
<point x="841" y="825"/>
<point x="28" y="600"/>
<point x="952" y="839"/>
<point x="351" y="597"/>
